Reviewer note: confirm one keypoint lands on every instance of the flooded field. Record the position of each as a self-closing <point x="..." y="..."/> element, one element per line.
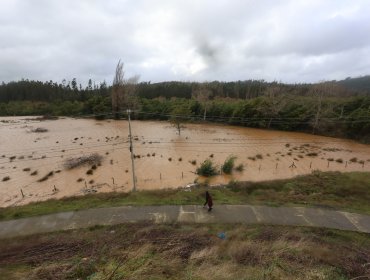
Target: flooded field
<point x="34" y="156"/>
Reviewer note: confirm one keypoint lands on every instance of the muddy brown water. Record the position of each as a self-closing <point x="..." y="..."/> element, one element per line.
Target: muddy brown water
<point x="163" y="157"/>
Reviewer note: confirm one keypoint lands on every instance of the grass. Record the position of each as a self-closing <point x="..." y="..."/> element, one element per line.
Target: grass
<point x="334" y="190"/>
<point x="148" y="251"/>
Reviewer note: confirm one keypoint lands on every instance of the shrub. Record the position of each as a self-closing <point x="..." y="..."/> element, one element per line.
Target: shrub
<point x="7" y="178"/>
<point x="353" y="159"/>
<point x="207" y="169"/>
<point x="339" y="160"/>
<point x="76" y="162"/>
<point x="240" y="168"/>
<point x="312" y="154"/>
<point x="51" y="173"/>
<point x="228" y="165"/>
<point x="259" y="156"/>
<point x="40" y="130"/>
<point x="193" y="162"/>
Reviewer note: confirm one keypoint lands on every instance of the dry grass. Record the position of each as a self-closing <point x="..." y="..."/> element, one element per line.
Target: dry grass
<point x="147" y="251"/>
<point x="93" y="159"/>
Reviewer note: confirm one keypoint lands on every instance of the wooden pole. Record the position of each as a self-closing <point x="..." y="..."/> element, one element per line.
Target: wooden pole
<point x="131" y="151"/>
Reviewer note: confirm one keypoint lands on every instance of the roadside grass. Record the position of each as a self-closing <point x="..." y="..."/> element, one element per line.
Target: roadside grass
<point x="332" y="190"/>
<point x="189" y="251"/>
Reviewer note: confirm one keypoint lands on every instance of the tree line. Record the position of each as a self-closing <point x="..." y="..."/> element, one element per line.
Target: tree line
<point x="326" y="108"/>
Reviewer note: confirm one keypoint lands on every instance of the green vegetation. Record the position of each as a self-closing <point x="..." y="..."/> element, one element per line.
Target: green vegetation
<point x="324" y="108"/>
<point x="228" y="165"/>
<point x="207" y="169"/>
<point x="147" y="251"/>
<point x="334" y="190"/>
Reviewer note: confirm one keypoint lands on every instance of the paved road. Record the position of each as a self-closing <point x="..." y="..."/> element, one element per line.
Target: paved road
<point x="247" y="214"/>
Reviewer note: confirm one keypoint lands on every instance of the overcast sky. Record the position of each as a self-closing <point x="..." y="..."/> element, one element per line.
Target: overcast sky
<point x="187" y="40"/>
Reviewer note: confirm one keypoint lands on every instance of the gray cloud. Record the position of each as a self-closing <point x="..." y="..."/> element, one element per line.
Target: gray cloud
<point x="290" y="41"/>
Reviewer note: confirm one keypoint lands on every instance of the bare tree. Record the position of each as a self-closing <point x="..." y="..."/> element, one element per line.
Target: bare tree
<point x="318" y="92"/>
<point x="123" y="91"/>
<point x="276" y="101"/>
<point x="202" y="94"/>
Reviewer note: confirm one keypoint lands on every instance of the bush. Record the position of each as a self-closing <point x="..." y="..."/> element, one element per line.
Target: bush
<point x="228" y="166"/>
<point x="7" y="178"/>
<point x="240" y="168"/>
<point x="77" y="162"/>
<point x="353" y="159"/>
<point x="207" y="169"/>
<point x="313" y="154"/>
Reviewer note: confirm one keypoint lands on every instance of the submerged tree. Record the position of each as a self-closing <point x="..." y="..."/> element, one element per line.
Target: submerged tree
<point x="179" y="115"/>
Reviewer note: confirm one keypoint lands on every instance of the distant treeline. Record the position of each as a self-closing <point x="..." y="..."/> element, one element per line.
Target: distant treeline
<point x="326" y="108"/>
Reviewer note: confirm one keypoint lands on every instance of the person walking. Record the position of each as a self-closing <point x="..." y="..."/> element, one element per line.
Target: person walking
<point x="209" y="201"/>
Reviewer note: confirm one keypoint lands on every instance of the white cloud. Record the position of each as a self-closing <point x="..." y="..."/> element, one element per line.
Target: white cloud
<point x="292" y="41"/>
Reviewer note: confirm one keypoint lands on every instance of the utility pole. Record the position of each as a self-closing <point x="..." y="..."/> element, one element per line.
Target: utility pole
<point x="131" y="151"/>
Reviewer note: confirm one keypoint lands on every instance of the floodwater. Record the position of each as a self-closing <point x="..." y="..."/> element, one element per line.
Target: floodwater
<point x="163" y="158"/>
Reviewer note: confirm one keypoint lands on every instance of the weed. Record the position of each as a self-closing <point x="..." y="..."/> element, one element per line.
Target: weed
<point x="339" y="160"/>
<point x="26" y="169"/>
<point x="89" y="172"/>
<point x="34" y="173"/>
<point x="259" y="156"/>
<point x="353" y="159"/>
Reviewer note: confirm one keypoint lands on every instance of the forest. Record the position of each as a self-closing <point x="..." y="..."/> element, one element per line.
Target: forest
<point x="340" y="109"/>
